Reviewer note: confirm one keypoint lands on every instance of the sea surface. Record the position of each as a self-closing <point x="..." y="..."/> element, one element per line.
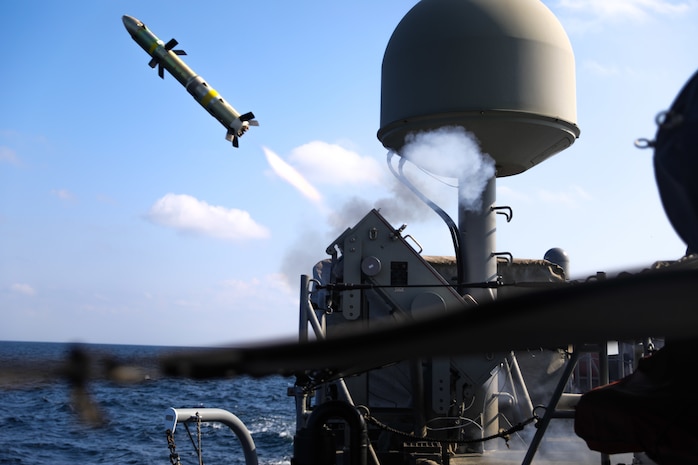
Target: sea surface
<point x="40" y="422"/>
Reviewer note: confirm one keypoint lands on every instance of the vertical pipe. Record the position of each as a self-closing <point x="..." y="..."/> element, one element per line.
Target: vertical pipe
<point x="418" y="397"/>
<point x="603" y="364"/>
<point x="543" y="423"/>
<point x="490" y="411"/>
<point x="303" y="317"/>
<point x="518" y="376"/>
<point x="477" y="229"/>
<point x="603" y="380"/>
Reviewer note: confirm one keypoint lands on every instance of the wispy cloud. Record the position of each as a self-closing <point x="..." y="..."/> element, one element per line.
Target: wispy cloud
<point x="570" y="197"/>
<point x="331" y="163"/>
<point x="599" y="69"/>
<point x="63" y="194"/>
<point x="508" y="194"/>
<point x="253" y="286"/>
<point x="8" y="155"/>
<point x="190" y="215"/>
<point x="22" y="288"/>
<point x="626" y="10"/>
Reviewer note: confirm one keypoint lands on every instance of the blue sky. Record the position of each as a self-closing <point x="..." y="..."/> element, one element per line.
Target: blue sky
<point x="125" y="216"/>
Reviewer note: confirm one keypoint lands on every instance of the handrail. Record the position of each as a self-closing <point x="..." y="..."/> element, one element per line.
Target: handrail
<point x="307" y="313"/>
<point x="183" y="415"/>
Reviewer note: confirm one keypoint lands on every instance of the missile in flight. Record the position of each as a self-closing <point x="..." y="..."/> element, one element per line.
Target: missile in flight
<point x="164" y="57"/>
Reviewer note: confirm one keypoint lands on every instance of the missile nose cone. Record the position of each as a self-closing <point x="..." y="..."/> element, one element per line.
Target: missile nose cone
<point x="131" y="23"/>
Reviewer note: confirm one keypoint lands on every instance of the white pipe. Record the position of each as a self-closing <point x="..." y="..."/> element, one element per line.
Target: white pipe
<point x="183" y="415"/>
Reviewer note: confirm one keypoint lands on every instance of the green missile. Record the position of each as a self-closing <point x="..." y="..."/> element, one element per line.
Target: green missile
<point x="164" y="57"/>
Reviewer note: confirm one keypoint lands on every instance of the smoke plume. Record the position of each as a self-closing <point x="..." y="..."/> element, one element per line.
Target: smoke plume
<point x="453" y="152"/>
<point x="449" y="152"/>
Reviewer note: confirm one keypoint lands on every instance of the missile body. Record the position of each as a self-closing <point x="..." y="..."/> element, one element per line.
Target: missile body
<point x="165" y="57"/>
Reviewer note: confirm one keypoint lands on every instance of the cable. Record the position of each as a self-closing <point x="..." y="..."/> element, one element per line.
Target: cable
<point x="453" y="229"/>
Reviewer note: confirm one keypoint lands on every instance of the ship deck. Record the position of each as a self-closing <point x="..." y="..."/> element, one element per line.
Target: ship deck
<point x="561" y="457"/>
<point x="567" y="450"/>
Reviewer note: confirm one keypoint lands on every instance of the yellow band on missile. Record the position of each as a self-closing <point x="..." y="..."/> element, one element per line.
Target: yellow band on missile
<point x="153" y="46"/>
<point x="210" y="95"/>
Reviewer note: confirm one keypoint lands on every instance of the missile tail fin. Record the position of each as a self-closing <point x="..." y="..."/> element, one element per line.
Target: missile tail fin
<point x="172" y="44"/>
<point x="232" y="137"/>
<point x="249" y="117"/>
<point x="155" y="62"/>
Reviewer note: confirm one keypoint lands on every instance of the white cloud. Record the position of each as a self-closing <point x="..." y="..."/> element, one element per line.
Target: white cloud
<point x="8" y="155"/>
<point x="623" y="10"/>
<point x="190" y="215"/>
<point x="241" y="287"/>
<point x="249" y="310"/>
<point x="599" y="69"/>
<point x="22" y="288"/>
<point x="570" y="197"/>
<point x="330" y="163"/>
<point x="63" y="194"/>
<point x="252" y="288"/>
<point x="509" y="194"/>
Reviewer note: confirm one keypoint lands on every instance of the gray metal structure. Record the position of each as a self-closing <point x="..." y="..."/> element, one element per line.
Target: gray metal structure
<point x="502" y="69"/>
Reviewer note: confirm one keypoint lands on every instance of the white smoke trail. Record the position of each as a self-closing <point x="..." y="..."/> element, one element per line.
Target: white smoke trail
<point x="453" y="152"/>
<point x="292" y="176"/>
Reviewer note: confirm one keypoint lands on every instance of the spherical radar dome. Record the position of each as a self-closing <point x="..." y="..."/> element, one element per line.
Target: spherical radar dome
<point x="501" y="69"/>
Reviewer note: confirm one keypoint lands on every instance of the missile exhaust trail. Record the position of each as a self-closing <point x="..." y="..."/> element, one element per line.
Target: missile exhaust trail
<point x="165" y="57"/>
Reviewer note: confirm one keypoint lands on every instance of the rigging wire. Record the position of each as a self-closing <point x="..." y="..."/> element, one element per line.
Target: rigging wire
<point x="504" y="434"/>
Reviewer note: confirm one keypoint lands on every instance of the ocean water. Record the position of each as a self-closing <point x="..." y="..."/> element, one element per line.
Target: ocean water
<point x="39" y="423"/>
